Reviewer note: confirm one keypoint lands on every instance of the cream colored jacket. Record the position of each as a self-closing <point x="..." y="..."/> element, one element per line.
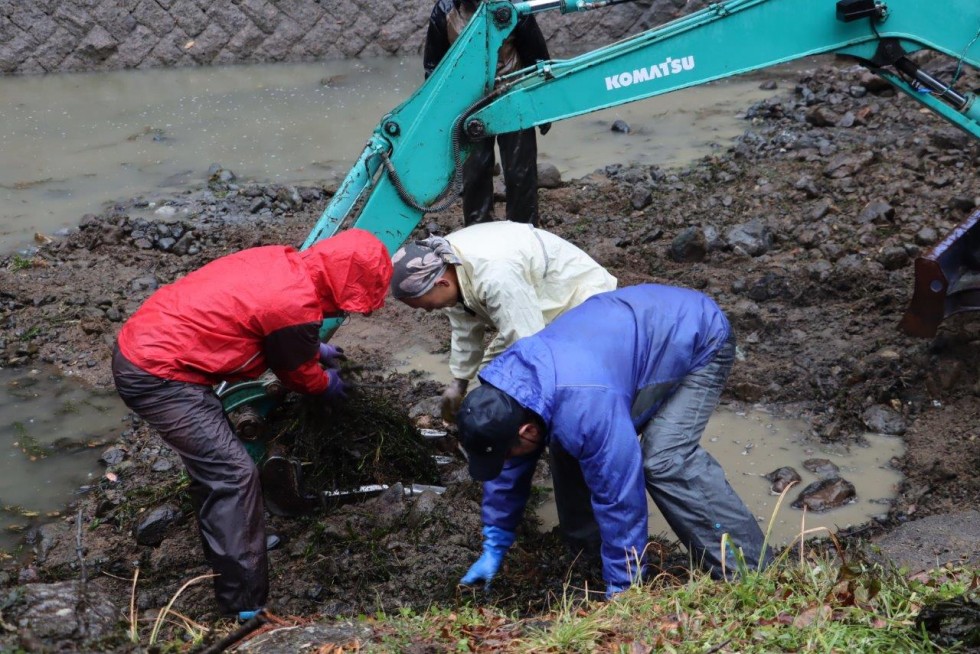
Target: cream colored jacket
<point x="514" y="279"/>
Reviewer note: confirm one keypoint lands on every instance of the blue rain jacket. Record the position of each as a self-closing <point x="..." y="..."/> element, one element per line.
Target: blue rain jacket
<point x="596" y="375"/>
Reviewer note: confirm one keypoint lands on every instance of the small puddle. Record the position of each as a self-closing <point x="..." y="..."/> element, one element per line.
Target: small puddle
<point x="749" y="445"/>
<point x="52" y="433"/>
<point x="417" y="359"/>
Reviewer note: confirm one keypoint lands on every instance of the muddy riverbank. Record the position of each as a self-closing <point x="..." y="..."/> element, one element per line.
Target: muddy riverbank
<point x="804" y="231"/>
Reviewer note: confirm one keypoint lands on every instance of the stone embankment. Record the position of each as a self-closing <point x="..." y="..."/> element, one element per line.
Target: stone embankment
<point x="56" y="36"/>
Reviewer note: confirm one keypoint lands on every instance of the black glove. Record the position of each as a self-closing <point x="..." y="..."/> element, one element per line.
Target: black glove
<point x="544" y="128"/>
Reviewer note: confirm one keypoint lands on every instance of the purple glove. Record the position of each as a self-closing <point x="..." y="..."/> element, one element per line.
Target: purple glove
<point x="331" y="355"/>
<point x="336" y="388"/>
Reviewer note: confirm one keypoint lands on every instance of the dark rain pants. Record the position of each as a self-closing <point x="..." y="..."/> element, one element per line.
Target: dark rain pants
<point x="224" y="486"/>
<point x="519" y="163"/>
<point x="686" y="483"/>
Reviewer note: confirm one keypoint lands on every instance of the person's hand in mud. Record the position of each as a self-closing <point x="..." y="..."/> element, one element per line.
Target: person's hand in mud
<point x="337" y="389"/>
<point x="452" y="397"/>
<point x="496" y="542"/>
<point x="331" y="356"/>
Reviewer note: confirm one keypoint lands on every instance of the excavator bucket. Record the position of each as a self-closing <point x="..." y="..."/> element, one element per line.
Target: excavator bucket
<point x="947" y="280"/>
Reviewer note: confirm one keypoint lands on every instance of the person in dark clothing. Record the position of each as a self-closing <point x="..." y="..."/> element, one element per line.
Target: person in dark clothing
<point x="624" y="383"/>
<point x="518" y="150"/>
<point x="238" y="316"/>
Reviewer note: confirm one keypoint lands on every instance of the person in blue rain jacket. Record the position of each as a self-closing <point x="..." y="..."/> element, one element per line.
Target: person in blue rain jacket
<point x="624" y="383"/>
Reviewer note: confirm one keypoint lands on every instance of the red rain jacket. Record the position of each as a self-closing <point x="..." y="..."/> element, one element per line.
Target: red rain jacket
<point x="255" y="310"/>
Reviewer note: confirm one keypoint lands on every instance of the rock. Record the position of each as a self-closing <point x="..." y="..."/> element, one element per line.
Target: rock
<point x="548" y="176"/>
<point x="152" y="529"/>
<point x="893" y="258"/>
<point x="641" y="197"/>
<point x="431" y="407"/>
<point x="820" y="116"/>
<point x="752" y="238"/>
<point x="46" y="538"/>
<point x="389" y="507"/>
<point x="65" y="610"/>
<point x="688" y="246"/>
<point x="145" y="283"/>
<point x="877" y="212"/>
<point x="781" y="478"/>
<point x="822" y="468"/>
<point x="926" y="236"/>
<point x="620" y="126"/>
<point x="113" y="455"/>
<point x="883" y="420"/>
<point x="825" y="494"/>
<point x="422" y="508"/>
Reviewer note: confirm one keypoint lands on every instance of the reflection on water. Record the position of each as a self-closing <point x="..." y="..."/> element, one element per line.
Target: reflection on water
<point x="52" y="432"/>
<point x="69" y="143"/>
<point x="750" y="445"/>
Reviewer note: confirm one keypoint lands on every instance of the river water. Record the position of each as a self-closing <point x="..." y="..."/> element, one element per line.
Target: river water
<point x="69" y="144"/>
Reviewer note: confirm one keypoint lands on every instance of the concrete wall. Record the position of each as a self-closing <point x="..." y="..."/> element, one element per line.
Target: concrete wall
<point x="47" y="36"/>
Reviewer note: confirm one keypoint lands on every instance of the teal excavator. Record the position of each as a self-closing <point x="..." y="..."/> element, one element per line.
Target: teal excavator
<point x="412" y="162"/>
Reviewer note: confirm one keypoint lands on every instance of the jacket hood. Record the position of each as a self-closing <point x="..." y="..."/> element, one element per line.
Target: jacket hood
<point x="351" y="271"/>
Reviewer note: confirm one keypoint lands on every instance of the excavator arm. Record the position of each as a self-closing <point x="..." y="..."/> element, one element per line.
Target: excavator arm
<point x="411" y="165"/>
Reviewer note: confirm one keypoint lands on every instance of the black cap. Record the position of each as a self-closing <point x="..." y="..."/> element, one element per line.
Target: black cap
<point x="488" y="421"/>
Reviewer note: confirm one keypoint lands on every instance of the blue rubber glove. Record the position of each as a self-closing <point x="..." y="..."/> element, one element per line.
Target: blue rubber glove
<point x="496" y="542"/>
<point x="336" y="388"/>
<point x="331" y="355"/>
<point x="245" y="616"/>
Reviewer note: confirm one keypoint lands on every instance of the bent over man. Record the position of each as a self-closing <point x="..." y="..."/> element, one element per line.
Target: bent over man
<point x="647" y="361"/>
<point x="232" y="320"/>
<point x="515" y="279"/>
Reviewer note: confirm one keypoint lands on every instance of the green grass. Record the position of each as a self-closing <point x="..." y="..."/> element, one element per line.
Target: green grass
<point x="818" y="605"/>
<point x="18" y="262"/>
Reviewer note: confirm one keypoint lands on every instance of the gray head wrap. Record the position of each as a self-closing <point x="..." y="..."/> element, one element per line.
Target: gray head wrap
<point x="417" y="266"/>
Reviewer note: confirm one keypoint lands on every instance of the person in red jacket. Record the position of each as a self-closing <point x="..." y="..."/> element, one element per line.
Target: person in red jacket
<point x="238" y="316"/>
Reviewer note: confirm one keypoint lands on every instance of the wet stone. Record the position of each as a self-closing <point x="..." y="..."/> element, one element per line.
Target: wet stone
<point x="152" y="529"/>
<point x="690" y="246"/>
<point x="66" y="611"/>
<point x="641" y="197"/>
<point x="113" y="455"/>
<point x="781" y="478"/>
<point x="825" y="494"/>
<point x="620" y="126"/>
<point x="822" y="468"/>
<point x="953" y="622"/>
<point x="548" y="175"/>
<point x="884" y="420"/>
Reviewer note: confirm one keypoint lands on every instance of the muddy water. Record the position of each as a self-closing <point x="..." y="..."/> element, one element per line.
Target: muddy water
<point x="70" y="143"/>
<point x="749" y="445"/>
<point x="52" y="432"/>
